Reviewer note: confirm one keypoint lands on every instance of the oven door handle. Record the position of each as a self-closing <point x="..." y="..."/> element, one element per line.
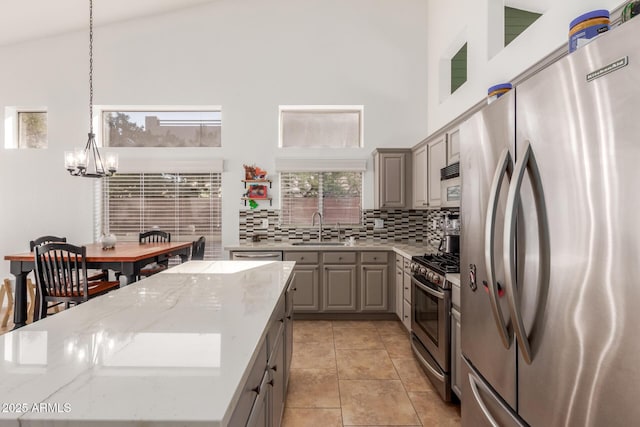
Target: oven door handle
<point x="426" y="364"/>
<point x="439" y="295"/>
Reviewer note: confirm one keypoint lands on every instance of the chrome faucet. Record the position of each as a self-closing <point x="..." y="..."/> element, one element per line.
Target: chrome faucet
<point x="313" y="222"/>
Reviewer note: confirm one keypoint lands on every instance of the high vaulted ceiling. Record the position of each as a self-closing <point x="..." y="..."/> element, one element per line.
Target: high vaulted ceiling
<point x="22" y="20"/>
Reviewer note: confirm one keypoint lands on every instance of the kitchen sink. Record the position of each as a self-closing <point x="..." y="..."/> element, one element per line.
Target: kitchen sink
<point x="319" y="244"/>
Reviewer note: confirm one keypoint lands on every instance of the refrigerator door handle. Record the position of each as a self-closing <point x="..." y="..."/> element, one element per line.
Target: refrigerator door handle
<point x="527" y="162"/>
<point x="483" y="407"/>
<point x="505" y="166"/>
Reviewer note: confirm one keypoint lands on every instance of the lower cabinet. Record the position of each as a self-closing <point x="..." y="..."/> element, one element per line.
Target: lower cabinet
<point x="374" y="287"/>
<point x="339" y="284"/>
<point x="456" y="353"/>
<point x="261" y="402"/>
<point x="406" y="317"/>
<point x="306" y="282"/>
<point x="399" y="277"/>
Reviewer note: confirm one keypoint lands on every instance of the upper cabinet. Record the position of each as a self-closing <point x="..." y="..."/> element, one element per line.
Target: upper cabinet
<point x="428" y="159"/>
<point x="453" y="146"/>
<point x="392" y="183"/>
<point x="437" y="154"/>
<point x="420" y="166"/>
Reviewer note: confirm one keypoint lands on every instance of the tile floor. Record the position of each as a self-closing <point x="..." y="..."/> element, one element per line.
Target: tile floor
<point x="359" y="373"/>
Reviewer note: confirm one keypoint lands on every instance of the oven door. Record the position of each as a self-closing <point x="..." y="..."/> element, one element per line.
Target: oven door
<point x="430" y="320"/>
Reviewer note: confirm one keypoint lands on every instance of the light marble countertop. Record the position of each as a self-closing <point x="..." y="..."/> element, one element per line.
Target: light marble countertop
<point x="406" y="250"/>
<point x="172" y="349"/>
<point x="454" y="278"/>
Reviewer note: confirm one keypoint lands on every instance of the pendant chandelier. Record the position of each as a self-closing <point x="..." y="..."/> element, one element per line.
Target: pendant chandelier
<point x="87" y="161"/>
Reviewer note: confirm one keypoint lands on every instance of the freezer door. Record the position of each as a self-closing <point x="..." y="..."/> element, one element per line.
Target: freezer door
<point x="581" y="321"/>
<point x="487" y="147"/>
<point x="481" y="406"/>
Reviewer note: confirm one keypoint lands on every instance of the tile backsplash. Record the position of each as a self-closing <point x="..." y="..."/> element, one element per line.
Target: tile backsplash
<point x="400" y="225"/>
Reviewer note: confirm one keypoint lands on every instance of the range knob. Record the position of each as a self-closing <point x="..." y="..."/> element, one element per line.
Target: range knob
<point x="423" y="271"/>
<point x="436" y="279"/>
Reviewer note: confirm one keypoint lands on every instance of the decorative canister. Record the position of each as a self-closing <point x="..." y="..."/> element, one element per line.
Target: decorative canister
<point x="108" y="241"/>
<point x="495" y="92"/>
<point x="586" y="27"/>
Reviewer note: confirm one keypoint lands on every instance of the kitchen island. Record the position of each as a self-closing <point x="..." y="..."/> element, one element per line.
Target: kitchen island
<point x="177" y="349"/>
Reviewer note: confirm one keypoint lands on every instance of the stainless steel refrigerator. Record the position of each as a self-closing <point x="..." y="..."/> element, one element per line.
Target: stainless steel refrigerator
<point x="550" y="249"/>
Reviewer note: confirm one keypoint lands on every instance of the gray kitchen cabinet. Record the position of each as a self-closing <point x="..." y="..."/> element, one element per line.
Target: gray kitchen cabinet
<point x="306" y="280"/>
<point x="456" y="353"/>
<point x="306" y="283"/>
<point x="406" y="317"/>
<point x="453" y="146"/>
<point x="392" y="178"/>
<point x="261" y="401"/>
<point x="374" y="287"/>
<point x="437" y="159"/>
<point x="399" y="288"/>
<point x="419" y="160"/>
<point x="339" y="285"/>
<point x="288" y="334"/>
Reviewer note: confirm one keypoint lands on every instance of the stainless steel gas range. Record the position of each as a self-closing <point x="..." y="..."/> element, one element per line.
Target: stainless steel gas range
<point x="430" y="317"/>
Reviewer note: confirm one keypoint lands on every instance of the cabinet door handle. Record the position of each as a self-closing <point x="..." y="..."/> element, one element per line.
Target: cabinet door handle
<point x="294" y="289"/>
<point x="289" y="317"/>
<point x="339" y="258"/>
<point x="301" y="258"/>
<point x="274" y="368"/>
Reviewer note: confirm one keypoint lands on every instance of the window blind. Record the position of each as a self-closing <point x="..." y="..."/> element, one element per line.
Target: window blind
<point x="187" y="205"/>
<point x="337" y="195"/>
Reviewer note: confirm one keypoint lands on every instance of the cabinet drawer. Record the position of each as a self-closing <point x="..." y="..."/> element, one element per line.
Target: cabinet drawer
<point x="407" y="264"/>
<point x="302" y="257"/>
<point x="339" y="257"/>
<point x="375" y="257"/>
<point x="399" y="261"/>
<point x="406" y="282"/>
<point x="248" y="395"/>
<point x="275" y="327"/>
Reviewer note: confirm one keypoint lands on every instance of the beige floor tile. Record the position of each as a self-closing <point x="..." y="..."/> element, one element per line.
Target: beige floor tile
<point x="376" y="403"/>
<point x="398" y="346"/>
<point x="312" y="331"/>
<point x="433" y="411"/>
<point x="354" y="324"/>
<point x="298" y="417"/>
<point x="412" y="375"/>
<point x="391" y="327"/>
<point x="364" y="365"/>
<point x="313" y="388"/>
<point x="313" y="355"/>
<point x="357" y="338"/>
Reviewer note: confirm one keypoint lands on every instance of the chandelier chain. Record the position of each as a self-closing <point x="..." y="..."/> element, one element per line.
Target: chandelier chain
<point x="91" y="66"/>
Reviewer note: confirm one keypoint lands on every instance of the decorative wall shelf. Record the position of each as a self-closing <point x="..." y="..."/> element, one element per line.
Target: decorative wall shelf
<point x="256" y="182"/>
<point x="246" y="199"/>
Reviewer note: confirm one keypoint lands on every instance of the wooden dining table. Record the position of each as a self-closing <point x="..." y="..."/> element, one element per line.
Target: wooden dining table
<point x="126" y="257"/>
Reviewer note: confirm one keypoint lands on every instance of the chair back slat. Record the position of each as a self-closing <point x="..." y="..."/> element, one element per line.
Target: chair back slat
<point x="154" y="236"/>
<point x="61" y="270"/>
<point x="45" y="239"/>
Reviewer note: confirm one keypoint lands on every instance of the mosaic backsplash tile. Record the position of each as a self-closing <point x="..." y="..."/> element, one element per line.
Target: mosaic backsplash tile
<point x="400" y="225"/>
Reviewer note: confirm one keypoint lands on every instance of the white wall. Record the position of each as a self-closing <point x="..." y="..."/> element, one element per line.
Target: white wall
<point x="450" y="24"/>
<point x="248" y="56"/>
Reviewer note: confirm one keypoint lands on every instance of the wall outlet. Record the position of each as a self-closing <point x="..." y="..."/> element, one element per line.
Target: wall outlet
<point x="265" y="223"/>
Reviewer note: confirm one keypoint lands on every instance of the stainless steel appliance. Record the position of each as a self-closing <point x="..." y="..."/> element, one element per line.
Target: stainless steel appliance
<point x="450" y="186"/>
<point x="450" y="241"/>
<point x="430" y="317"/>
<point x="550" y="242"/>
<point x="256" y="255"/>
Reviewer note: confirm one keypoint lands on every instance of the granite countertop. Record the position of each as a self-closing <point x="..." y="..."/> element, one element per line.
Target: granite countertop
<point x="404" y="249"/>
<point x="172" y="349"/>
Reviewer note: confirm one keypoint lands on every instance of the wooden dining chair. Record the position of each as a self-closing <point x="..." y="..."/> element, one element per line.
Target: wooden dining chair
<point x="101" y="275"/>
<point x="154" y="236"/>
<point x="61" y="277"/>
<point x="197" y="249"/>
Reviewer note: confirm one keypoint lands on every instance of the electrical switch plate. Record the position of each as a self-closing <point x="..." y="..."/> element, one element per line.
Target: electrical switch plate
<point x="265" y="223"/>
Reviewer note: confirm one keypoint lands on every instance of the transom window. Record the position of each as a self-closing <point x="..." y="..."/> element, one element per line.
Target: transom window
<point x="320" y="127"/>
<point x="162" y="128"/>
<point x="336" y="195"/>
<point x="188" y="205"/>
<point x="26" y="128"/>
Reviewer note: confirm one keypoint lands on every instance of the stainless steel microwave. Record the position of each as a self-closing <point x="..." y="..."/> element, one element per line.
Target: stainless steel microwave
<point x="450" y="186"/>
